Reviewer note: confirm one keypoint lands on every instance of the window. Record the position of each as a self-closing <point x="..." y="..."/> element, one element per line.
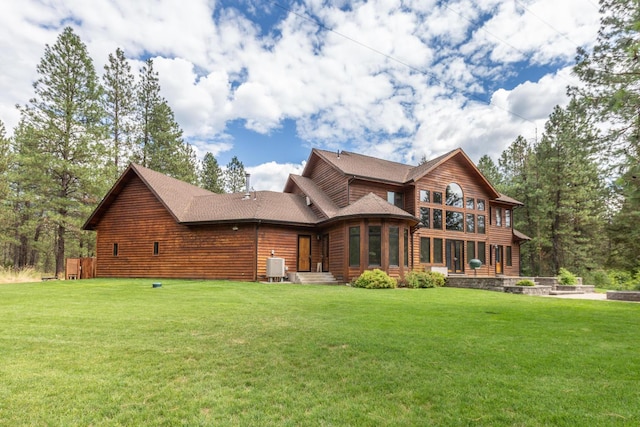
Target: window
<point x="406" y="247"/>
<point x="508" y="260"/>
<point x="482" y="252"/>
<point x="437" y="251"/>
<point x="375" y="245"/>
<point x="454" y="195"/>
<point x="354" y="246"/>
<point x="437" y="219"/>
<point x="425" y="250"/>
<point x="481" y="226"/>
<point x="156" y="248"/>
<point x="480" y="204"/>
<point x="424" y="217"/>
<point x="498" y="217"/>
<point x="115" y="249"/>
<point x="507" y="217"/>
<point x="424" y="196"/>
<point x="437" y="197"/>
<point x="455" y="221"/>
<point x="471" y="223"/>
<point x="471" y="203"/>
<point x="395" y="199"/>
<point x="471" y="250"/>
<point x="394" y="246"/>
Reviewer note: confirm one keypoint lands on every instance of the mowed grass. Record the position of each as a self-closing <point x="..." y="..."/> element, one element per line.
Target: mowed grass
<point x="119" y="352"/>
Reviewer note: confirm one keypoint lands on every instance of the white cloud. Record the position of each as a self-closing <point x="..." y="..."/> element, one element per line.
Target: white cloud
<point x="273" y="176"/>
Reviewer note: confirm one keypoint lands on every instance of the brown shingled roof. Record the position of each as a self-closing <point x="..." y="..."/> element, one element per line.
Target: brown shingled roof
<point x="315" y="194"/>
<point x="353" y="164"/>
<point x="372" y="205"/>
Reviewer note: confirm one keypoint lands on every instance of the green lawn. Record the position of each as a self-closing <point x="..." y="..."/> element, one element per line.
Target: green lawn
<point x="119" y="352"/>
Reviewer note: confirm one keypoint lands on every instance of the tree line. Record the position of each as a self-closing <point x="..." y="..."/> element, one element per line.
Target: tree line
<point x="74" y="138"/>
<point x="580" y="183"/>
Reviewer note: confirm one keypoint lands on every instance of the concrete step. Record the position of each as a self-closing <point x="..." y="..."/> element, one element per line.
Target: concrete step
<point x="315" y="278"/>
<point x="566" y="292"/>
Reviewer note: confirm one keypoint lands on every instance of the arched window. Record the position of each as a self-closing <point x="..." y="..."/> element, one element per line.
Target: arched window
<point x="454" y="195"/>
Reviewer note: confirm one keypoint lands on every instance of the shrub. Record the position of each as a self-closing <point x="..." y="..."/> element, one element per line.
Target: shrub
<point x="621" y="280"/>
<point x="424" y="279"/>
<point x="599" y="279"/>
<point x="565" y="277"/>
<point x="375" y="279"/>
<point x="525" y="282"/>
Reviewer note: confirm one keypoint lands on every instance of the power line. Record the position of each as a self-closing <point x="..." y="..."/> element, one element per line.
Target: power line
<point x="394" y="59"/>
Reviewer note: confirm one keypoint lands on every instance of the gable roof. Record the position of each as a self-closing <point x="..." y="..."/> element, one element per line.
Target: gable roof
<point x="375" y="169"/>
<point x="372" y="205"/>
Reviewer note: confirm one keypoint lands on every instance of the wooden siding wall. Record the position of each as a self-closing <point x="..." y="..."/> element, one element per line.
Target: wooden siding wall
<point x="358" y="189"/>
<point x="338" y="251"/>
<point x="457" y="171"/>
<point x="136" y="220"/>
<point x="284" y="242"/>
<point x="332" y="182"/>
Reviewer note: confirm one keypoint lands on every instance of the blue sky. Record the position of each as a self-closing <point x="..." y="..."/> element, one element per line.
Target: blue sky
<point x="268" y="80"/>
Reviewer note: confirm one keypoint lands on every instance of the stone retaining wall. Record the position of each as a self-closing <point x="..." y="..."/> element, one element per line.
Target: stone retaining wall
<point x="528" y="290"/>
<point x="624" y="295"/>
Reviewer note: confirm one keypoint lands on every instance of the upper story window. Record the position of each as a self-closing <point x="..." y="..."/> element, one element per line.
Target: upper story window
<point x="498" y="217"/>
<point x="480" y="204"/>
<point x="454" y="195"/>
<point x="437" y="197"/>
<point x="395" y="199"/>
<point x="507" y="218"/>
<point x="424" y="196"/>
<point x="471" y="203"/>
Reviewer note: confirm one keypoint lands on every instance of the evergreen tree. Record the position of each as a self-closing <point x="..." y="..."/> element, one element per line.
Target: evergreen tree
<point x="611" y="88"/>
<point x="6" y="211"/>
<point x="119" y="97"/>
<point x="211" y="176"/>
<point x="160" y="142"/>
<point x="572" y="220"/>
<point x="490" y="171"/>
<point x="65" y="124"/>
<point x="235" y="176"/>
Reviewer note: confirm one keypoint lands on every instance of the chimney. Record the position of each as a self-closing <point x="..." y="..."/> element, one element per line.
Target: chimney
<point x="247" y="194"/>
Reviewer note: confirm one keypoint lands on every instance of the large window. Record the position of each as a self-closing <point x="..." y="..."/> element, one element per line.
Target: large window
<point x="375" y="245"/>
<point x="394" y="246"/>
<point x="482" y="252"/>
<point x="354" y="246"/>
<point x="453" y="195"/>
<point x="437" y="219"/>
<point x="471" y="223"/>
<point x="395" y="199"/>
<point x="481" y="224"/>
<point x="406" y="247"/>
<point x="437" y="251"/>
<point x="424" y="196"/>
<point x="471" y="203"/>
<point x="425" y="250"/>
<point x="455" y="221"/>
<point x="507" y="218"/>
<point x="424" y="217"/>
<point x="471" y="250"/>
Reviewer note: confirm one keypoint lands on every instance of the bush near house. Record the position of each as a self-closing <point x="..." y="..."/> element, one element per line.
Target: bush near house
<point x="424" y="279"/>
<point x="565" y="277"/>
<point x="525" y="282"/>
<point x="375" y="279"/>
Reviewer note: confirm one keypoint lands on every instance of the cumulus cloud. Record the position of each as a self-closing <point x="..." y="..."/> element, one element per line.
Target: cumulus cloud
<point x="400" y="81"/>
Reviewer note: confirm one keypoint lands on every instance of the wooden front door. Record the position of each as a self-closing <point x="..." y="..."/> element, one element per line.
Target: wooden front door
<point x="304" y="253"/>
<point x="454" y="252"/>
<point x="499" y="269"/>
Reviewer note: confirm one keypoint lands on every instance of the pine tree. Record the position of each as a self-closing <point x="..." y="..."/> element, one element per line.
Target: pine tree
<point x="234" y="176"/>
<point x="573" y="195"/>
<point x="611" y="88"/>
<point x="119" y="97"/>
<point x="490" y="171"/>
<point x="6" y="212"/>
<point x="211" y="176"/>
<point x="160" y="143"/>
<point x="66" y="152"/>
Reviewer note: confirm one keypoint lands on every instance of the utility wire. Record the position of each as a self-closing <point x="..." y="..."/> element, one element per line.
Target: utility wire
<point x="391" y="58"/>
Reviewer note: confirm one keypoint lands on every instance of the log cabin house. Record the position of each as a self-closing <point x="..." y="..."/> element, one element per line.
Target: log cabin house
<point x="344" y="214"/>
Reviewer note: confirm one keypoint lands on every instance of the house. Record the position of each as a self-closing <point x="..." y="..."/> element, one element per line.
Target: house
<point x="344" y="214"/>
